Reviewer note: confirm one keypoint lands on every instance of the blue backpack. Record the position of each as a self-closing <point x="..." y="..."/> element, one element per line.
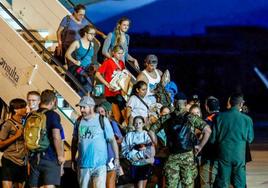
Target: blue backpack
<point x="172" y="88"/>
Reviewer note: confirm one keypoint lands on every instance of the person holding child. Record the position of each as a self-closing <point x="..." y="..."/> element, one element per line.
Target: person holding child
<point x="137" y="147"/>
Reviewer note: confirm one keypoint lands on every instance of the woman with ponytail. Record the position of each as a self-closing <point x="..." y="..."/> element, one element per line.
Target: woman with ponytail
<point x="119" y="37"/>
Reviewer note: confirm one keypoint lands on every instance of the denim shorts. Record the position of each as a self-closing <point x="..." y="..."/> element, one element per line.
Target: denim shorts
<point x="97" y="175"/>
<point x="45" y="172"/>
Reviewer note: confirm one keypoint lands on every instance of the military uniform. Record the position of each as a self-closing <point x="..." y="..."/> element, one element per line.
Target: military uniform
<point x="181" y="167"/>
<point x="158" y="125"/>
<point x="231" y="132"/>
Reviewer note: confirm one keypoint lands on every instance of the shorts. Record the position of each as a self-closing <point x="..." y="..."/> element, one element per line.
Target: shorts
<point x="13" y="172"/>
<point x="139" y="173"/>
<point x="95" y="176"/>
<point x="45" y="173"/>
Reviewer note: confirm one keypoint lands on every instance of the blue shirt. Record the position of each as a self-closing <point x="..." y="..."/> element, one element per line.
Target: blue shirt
<point x="110" y="42"/>
<point x="83" y="52"/>
<point x="92" y="142"/>
<point x="72" y="29"/>
<point x="53" y="122"/>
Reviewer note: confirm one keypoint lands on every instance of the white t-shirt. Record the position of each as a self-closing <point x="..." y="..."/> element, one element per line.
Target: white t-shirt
<point x="137" y="107"/>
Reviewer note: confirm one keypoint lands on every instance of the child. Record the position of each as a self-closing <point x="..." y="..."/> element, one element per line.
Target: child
<point x="137" y="147"/>
<point x="105" y="74"/>
<point x="195" y="110"/>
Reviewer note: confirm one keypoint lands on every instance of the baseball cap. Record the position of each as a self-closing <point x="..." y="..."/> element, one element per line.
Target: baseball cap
<point x="86" y="101"/>
<point x="152" y="59"/>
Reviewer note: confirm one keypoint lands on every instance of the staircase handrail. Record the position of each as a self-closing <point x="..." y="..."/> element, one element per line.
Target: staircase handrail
<point x="44" y="50"/>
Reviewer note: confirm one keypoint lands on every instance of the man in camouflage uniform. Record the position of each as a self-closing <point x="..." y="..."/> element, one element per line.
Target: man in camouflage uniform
<point x="180" y="168"/>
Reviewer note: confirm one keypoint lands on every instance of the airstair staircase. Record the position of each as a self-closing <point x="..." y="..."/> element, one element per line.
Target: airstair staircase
<point x="25" y="62"/>
<point x="28" y="38"/>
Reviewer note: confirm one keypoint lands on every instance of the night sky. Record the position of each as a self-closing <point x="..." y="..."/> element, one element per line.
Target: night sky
<point x="178" y="17"/>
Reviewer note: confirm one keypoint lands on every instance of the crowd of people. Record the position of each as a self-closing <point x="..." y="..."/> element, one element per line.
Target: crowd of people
<point x="78" y="48"/>
<point x="153" y="150"/>
<point x="150" y="132"/>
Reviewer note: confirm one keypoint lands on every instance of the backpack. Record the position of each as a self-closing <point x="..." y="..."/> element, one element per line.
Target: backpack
<point x="180" y="137"/>
<point x="61" y="57"/>
<point x="4" y="148"/>
<point x="35" y="132"/>
<point x="172" y="89"/>
<point x="65" y="29"/>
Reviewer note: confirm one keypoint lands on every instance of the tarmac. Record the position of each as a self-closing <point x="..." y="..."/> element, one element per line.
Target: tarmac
<point x="257" y="169"/>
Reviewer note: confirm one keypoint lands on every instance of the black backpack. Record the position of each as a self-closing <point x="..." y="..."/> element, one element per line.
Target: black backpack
<point x="180" y="137"/>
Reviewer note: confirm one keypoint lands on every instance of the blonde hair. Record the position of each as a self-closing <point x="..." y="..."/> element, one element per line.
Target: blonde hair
<point x="117" y="48"/>
<point x="117" y="30"/>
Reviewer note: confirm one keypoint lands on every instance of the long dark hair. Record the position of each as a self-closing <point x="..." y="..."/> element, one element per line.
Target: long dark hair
<point x="137" y="86"/>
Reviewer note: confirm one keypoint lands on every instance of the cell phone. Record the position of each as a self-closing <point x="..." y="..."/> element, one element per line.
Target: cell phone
<point x="111" y="164"/>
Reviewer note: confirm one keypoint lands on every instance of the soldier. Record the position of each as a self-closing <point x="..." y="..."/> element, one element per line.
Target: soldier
<point x="180" y="166"/>
<point x="231" y="132"/>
